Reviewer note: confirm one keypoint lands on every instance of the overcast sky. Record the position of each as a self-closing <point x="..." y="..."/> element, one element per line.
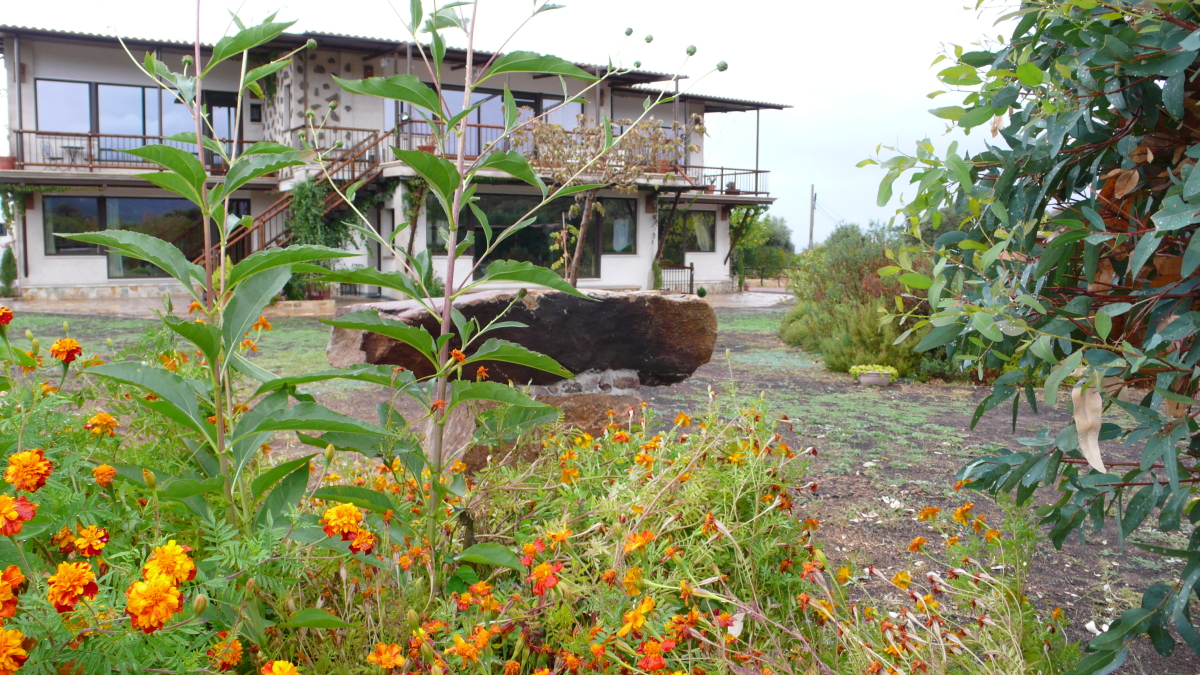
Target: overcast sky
<point x="856" y="74"/>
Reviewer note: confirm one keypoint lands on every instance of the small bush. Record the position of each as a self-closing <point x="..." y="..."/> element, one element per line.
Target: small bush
<point x="855" y="371"/>
<point x="860" y="339"/>
<point x="702" y="291"/>
<point x="8" y="271"/>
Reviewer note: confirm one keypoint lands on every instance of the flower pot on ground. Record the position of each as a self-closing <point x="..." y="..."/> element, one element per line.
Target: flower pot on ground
<point x="875" y="379"/>
<point x="874" y="375"/>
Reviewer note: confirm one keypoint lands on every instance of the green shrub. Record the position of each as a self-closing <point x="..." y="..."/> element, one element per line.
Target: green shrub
<point x="859" y="338"/>
<point x="807" y="323"/>
<point x="702" y="291"/>
<point x="8" y="271"/>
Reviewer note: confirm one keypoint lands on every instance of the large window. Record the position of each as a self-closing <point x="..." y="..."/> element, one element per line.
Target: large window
<point x="64" y="106"/>
<point x="610" y="229"/>
<point x="176" y="221"/>
<point x="70" y="215"/>
<point x="123" y="110"/>
<point x="692" y="232"/>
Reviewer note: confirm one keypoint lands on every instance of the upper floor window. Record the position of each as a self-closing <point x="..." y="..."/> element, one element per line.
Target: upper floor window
<point x="63" y="106"/>
<point x="122" y="110"/>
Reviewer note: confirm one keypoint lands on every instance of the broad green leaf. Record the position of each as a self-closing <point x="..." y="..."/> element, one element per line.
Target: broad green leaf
<point x="183" y="488"/>
<point x="314" y="417"/>
<point x="439" y="172"/>
<point x="465" y="390"/>
<point x="407" y="88"/>
<point x="246" y="445"/>
<point x="243" y="365"/>
<point x="248" y="167"/>
<point x="508" y="352"/>
<point x="266" y="259"/>
<point x="514" y="164"/>
<point x="491" y="554"/>
<point x="382" y="375"/>
<point x="243" y="40"/>
<point x="151" y="249"/>
<point x="205" y="336"/>
<point x="1030" y="75"/>
<point x="248" y="300"/>
<point x="1174" y="214"/>
<point x="976" y="116"/>
<point x="511" y="114"/>
<point x="1060" y="373"/>
<point x="181" y="163"/>
<point x="210" y="144"/>
<point x="367" y="276"/>
<point x="953" y="113"/>
<point x="531" y="62"/>
<point x="525" y="272"/>
<point x="372" y="321"/>
<point x="361" y="497"/>
<point x="256" y="74"/>
<point x="314" y="618"/>
<point x="1103" y="323"/>
<point x="573" y="189"/>
<point x="915" y="280"/>
<point x="269" y="478"/>
<point x="177" y="398"/>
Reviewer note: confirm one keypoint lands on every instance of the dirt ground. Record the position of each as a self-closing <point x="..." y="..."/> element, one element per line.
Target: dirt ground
<point x="883" y="453"/>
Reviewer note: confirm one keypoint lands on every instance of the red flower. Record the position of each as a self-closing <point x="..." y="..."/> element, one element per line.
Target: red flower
<point x="6" y="316"/>
<point x="14" y="513"/>
<point x="544" y="577"/>
<point x="531" y="550"/>
<point x="652" y="651"/>
<point x="9" y="581"/>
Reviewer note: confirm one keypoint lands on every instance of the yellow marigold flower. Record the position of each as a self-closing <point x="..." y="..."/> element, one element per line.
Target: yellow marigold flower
<point x="464" y="650"/>
<point x="388" y="656"/>
<point x="70" y="582"/>
<point x="952" y="541"/>
<point x="248" y="344"/>
<point x="903" y="580"/>
<point x="916" y="544"/>
<point x="559" y="537"/>
<point x="569" y="476"/>
<point x="227" y="653"/>
<point x="458" y="466"/>
<point x="928" y="513"/>
<point x="646" y="461"/>
<point x="926" y="603"/>
<point x="843" y="575"/>
<point x="636" y="618"/>
<point x="638" y="540"/>
<point x="737" y="458"/>
<point x="91" y="540"/>
<point x="152" y="602"/>
<point x="28" y="470"/>
<point x="279" y="668"/>
<point x="172" y="563"/>
<point x="683" y="420"/>
<point x="342" y="520"/>
<point x="262" y="324"/>
<point x="980" y="522"/>
<point x="48" y="389"/>
<point x="104" y="475"/>
<point x="991" y="535"/>
<point x="12" y="653"/>
<point x="14" y="513"/>
<point x="66" y="350"/>
<point x="633" y="581"/>
<point x="102" y="423"/>
<point x="962" y="513"/>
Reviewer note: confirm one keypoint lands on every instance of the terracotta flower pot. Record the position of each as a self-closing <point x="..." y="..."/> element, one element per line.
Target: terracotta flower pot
<point x="8" y="163"/>
<point x="875" y="379"/>
<point x="426" y="148"/>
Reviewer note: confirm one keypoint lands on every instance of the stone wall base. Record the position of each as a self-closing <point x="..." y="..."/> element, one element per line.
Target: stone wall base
<point x="719" y="287"/>
<point x="614" y="382"/>
<point x="105" y="292"/>
<point x="301" y="308"/>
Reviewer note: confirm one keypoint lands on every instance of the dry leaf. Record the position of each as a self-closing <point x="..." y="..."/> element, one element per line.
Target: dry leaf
<point x="1089" y="406"/>
<point x="1105" y="275"/>
<point x="1126" y="183"/>
<point x="1142" y="155"/>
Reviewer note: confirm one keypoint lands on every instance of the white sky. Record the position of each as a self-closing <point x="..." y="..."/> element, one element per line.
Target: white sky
<point x="857" y="73"/>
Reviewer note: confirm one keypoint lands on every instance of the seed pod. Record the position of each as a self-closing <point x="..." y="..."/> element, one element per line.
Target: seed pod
<point x="66" y="327"/>
<point x="199" y="604"/>
<point x="637" y="64"/>
<point x="722" y="66"/>
<point x="311" y="44"/>
<point x="187" y="61"/>
<point x="649" y="39"/>
<point x="250" y="585"/>
<point x="628" y="32"/>
<point x="691" y="50"/>
<point x="148" y="476"/>
<point x="435" y="670"/>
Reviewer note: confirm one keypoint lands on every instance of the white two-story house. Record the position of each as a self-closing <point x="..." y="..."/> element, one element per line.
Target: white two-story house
<point x="75" y="101"/>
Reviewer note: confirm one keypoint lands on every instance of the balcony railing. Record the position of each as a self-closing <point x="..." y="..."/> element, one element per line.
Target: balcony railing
<point x="726" y="181"/>
<point x="68" y="151"/>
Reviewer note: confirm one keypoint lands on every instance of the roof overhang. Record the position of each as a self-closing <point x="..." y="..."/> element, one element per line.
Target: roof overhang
<point x="99" y="181"/>
<point x="713" y="104"/>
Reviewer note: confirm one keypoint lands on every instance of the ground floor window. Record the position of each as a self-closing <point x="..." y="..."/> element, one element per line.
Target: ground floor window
<point x="691" y="232"/>
<point x="612" y="229"/>
<point x="176" y="221"/>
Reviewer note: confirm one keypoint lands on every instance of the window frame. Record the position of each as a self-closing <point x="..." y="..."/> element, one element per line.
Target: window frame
<point x="634" y="212"/>
<point x="48" y="235"/>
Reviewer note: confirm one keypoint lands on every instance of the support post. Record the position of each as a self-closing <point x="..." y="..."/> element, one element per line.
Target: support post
<point x="812" y="210"/>
<point x="757" y="127"/>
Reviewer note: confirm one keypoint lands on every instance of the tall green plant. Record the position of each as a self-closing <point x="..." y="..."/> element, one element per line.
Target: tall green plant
<point x="1077" y="259"/>
<point x="8" y="271"/>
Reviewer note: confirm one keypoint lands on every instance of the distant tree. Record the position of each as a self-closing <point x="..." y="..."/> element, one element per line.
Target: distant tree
<point x="779" y="234"/>
<point x="747" y="228"/>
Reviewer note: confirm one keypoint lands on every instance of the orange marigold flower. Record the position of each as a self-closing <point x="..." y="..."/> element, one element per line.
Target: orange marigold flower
<point x="66" y="350"/>
<point x="438" y="405"/>
<point x="928" y="513"/>
<point x="342" y="520"/>
<point x="710" y="524"/>
<point x="91" y="540"/>
<point x="903" y="580"/>
<point x="152" y="602"/>
<point x="810" y="524"/>
<point x="464" y="650"/>
<point x="171" y="562"/>
<point x="70" y="582"/>
<point x="633" y="581"/>
<point x="6" y="316"/>
<point x="248" y="344"/>
<point x="104" y="475"/>
<point x="544" y="577"/>
<point x="645" y="460"/>
<point x="529" y="550"/>
<point x="980" y="522"/>
<point x="843" y="575"/>
<point x="387" y="656"/>
<point x="609" y="577"/>
<point x="683" y="420"/>
<point x="12" y="651"/>
<point x="195" y="307"/>
<point x="991" y="535"/>
<point x="14" y="513"/>
<point x="457" y="355"/>
<point x="64" y="539"/>
<point x="364" y="542"/>
<point x="37" y="360"/>
<point x="512" y="668"/>
<point x="916" y="544"/>
<point x="559" y="537"/>
<point x="635" y="619"/>
<point x="102" y="423"/>
<point x="952" y="541"/>
<point x="638" y="540"/>
<point x="48" y="389"/>
<point x="227" y="653"/>
<point x="10" y="581"/>
<point x="962" y="513"/>
<point x="279" y="668"/>
<point x="569" y="476"/>
<point x="482" y="374"/>
<point x="28" y="470"/>
<point x="262" y="324"/>
<point x="458" y="466"/>
<point x="621" y="437"/>
<point x="652" y="651"/>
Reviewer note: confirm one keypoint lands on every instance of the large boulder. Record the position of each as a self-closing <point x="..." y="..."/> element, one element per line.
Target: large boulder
<point x="619" y="339"/>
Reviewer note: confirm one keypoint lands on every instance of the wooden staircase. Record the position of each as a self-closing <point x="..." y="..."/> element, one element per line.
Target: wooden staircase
<point x="361" y="162"/>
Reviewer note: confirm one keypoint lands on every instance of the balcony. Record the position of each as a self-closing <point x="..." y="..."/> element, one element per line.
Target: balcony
<point x="92" y="152"/>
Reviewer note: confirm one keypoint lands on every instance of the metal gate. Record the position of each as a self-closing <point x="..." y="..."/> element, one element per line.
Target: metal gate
<point x="679" y="278"/>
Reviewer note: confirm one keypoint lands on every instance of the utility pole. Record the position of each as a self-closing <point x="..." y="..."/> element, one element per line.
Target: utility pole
<point x="812" y="209"/>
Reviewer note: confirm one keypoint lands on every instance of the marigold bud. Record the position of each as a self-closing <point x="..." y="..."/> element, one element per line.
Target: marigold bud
<point x="435" y="670"/>
<point x="66" y="327"/>
<point x="427" y="653"/>
<point x="28" y="334"/>
<point x="35" y="346"/>
<point x="148" y="476"/>
<point x="187" y="61"/>
<point x="414" y="621"/>
<point x="250" y="585"/>
<point x="199" y="604"/>
<point x="329" y="453"/>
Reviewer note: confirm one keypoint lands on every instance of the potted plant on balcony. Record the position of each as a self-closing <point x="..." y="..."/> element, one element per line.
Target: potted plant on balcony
<point x="874" y="375"/>
<point x="8" y="163"/>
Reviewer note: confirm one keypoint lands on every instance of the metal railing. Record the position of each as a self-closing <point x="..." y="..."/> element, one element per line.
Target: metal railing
<point x="727" y="181"/>
<point x="67" y="151"/>
<point x="768" y="277"/>
<point x="679" y="278"/>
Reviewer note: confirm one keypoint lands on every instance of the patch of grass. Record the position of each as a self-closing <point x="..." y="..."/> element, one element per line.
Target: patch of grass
<point x="91" y="331"/>
<point x="749" y="321"/>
